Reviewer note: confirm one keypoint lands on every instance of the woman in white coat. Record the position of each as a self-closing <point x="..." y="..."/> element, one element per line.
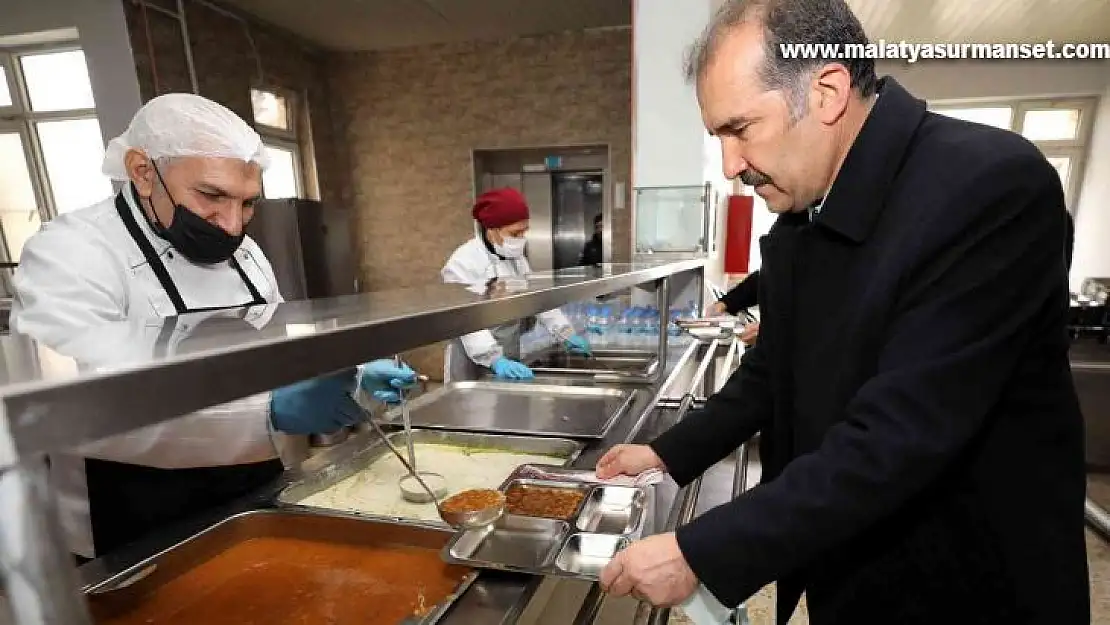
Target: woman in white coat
<point x="497" y="252"/>
<point x="170" y="243"/>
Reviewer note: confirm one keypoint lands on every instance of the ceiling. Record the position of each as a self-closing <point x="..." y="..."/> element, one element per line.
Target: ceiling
<point x="380" y="24"/>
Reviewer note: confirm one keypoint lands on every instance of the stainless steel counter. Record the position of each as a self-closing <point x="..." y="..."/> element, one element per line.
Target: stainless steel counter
<point x="133" y="374"/>
<point x="64" y="391"/>
<point x="494" y="598"/>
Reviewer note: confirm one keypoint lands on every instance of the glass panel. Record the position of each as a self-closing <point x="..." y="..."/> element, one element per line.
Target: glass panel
<point x="57" y="81"/>
<point x="1051" y="124"/>
<point x="997" y="116"/>
<point x="19" y="215"/>
<point x="670" y="219"/>
<point x="270" y="109"/>
<point x="73" y="151"/>
<point x="1063" y="167"/>
<point x="280" y="179"/>
<point x="5" y="94"/>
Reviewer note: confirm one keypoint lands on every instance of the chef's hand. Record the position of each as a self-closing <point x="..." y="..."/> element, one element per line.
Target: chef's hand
<point x="382" y="378"/>
<point x="318" y="406"/>
<point x="628" y="460"/>
<point x="508" y="369"/>
<point x="716" y="309"/>
<point x="652" y="570"/>
<point x="749" y="334"/>
<point x="578" y="345"/>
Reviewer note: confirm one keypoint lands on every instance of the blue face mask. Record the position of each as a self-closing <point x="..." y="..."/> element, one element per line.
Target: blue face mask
<point x="196" y="239"/>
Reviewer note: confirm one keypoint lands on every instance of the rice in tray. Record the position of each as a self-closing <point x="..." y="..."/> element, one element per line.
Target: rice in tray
<point x="374" y="490"/>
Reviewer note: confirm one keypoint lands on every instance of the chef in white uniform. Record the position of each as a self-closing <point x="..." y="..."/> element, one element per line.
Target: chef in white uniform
<point x="170" y="243"/>
<point x="496" y="253"/>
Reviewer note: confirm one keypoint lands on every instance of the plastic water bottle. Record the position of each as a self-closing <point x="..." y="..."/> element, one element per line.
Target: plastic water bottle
<point x="635" y="326"/>
<point x="622" y="328"/>
<point x="604" y="326"/>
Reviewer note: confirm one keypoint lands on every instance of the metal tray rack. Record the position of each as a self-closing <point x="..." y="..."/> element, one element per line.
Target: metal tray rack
<point x="354" y="455"/>
<point x="607" y="519"/>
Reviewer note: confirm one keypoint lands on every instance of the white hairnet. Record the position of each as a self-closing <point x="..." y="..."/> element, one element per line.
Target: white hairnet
<point x="183" y="124"/>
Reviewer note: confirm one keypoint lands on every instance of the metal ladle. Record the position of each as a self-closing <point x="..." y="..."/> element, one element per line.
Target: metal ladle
<point x="467" y="520"/>
<point x="410" y="493"/>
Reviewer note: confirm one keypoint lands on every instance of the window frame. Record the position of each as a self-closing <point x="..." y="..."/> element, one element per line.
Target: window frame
<point x="298" y="165"/>
<point x="9" y="82"/>
<point x="1077" y="149"/>
<point x="8" y="126"/>
<point x="286" y="139"/>
<point x="22" y="114"/>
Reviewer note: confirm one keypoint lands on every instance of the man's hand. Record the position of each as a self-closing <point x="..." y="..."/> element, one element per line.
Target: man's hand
<point x="652" y="570"/>
<point x="749" y="333"/>
<point x="628" y="460"/>
<point x="717" y="309"/>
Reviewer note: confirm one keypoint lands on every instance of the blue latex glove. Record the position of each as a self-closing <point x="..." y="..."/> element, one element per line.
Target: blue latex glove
<point x="382" y="378"/>
<point x="318" y="406"/>
<point x="507" y="369"/>
<point x="578" y="345"/>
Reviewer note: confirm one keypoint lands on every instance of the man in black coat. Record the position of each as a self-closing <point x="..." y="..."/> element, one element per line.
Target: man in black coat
<point x="744" y="295"/>
<point x="921" y="439"/>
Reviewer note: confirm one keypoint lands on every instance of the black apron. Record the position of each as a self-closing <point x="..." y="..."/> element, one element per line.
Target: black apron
<point x="128" y="501"/>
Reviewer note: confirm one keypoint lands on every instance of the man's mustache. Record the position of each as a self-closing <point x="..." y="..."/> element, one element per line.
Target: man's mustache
<point x="754" y="178"/>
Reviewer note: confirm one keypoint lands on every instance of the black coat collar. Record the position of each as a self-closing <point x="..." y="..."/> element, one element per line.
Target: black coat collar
<point x="857" y="196"/>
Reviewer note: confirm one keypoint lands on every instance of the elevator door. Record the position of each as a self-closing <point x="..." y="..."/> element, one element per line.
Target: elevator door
<point x="576" y="201"/>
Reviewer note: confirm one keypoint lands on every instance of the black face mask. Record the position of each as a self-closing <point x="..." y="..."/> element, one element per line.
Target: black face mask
<point x="198" y="240"/>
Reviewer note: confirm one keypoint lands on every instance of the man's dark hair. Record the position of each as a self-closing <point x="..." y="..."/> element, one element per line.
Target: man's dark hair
<point x="793" y="22"/>
<point x="597" y="219"/>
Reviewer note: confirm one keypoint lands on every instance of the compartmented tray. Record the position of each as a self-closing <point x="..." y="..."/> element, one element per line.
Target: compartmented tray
<point x="582" y="412"/>
<point x="584" y="525"/>
<point x="357" y="454"/>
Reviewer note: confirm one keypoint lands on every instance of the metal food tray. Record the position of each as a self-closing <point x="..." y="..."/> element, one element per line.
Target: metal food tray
<point x="585" y="412"/>
<point x="138" y="582"/>
<point x="623" y="363"/>
<point x="357" y="454"/>
<point x="607" y="520"/>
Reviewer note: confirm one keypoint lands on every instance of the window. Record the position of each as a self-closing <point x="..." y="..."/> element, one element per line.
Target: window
<point x="1060" y="128"/>
<point x="275" y="118"/>
<point x="50" y="143"/>
<point x="997" y="116"/>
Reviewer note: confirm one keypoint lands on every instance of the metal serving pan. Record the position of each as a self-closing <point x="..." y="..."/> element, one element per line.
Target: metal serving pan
<point x="585" y="412"/>
<point x="607" y="520"/>
<point x="623" y="363"/>
<point x="355" y="455"/>
<point x="131" y="587"/>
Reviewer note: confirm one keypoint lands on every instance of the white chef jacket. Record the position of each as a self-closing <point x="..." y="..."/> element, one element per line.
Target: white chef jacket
<point x="470" y="264"/>
<point x="83" y="270"/>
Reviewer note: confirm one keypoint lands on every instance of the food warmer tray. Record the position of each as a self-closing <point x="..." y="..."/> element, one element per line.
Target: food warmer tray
<point x="142" y="581"/>
<point x="626" y="364"/>
<point x="343" y="461"/>
<point x="582" y="412"/>
<point x="607" y="520"/>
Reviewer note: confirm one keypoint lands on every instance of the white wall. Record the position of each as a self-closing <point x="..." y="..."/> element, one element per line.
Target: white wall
<point x="103" y="34"/>
<point x="668" y="136"/>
